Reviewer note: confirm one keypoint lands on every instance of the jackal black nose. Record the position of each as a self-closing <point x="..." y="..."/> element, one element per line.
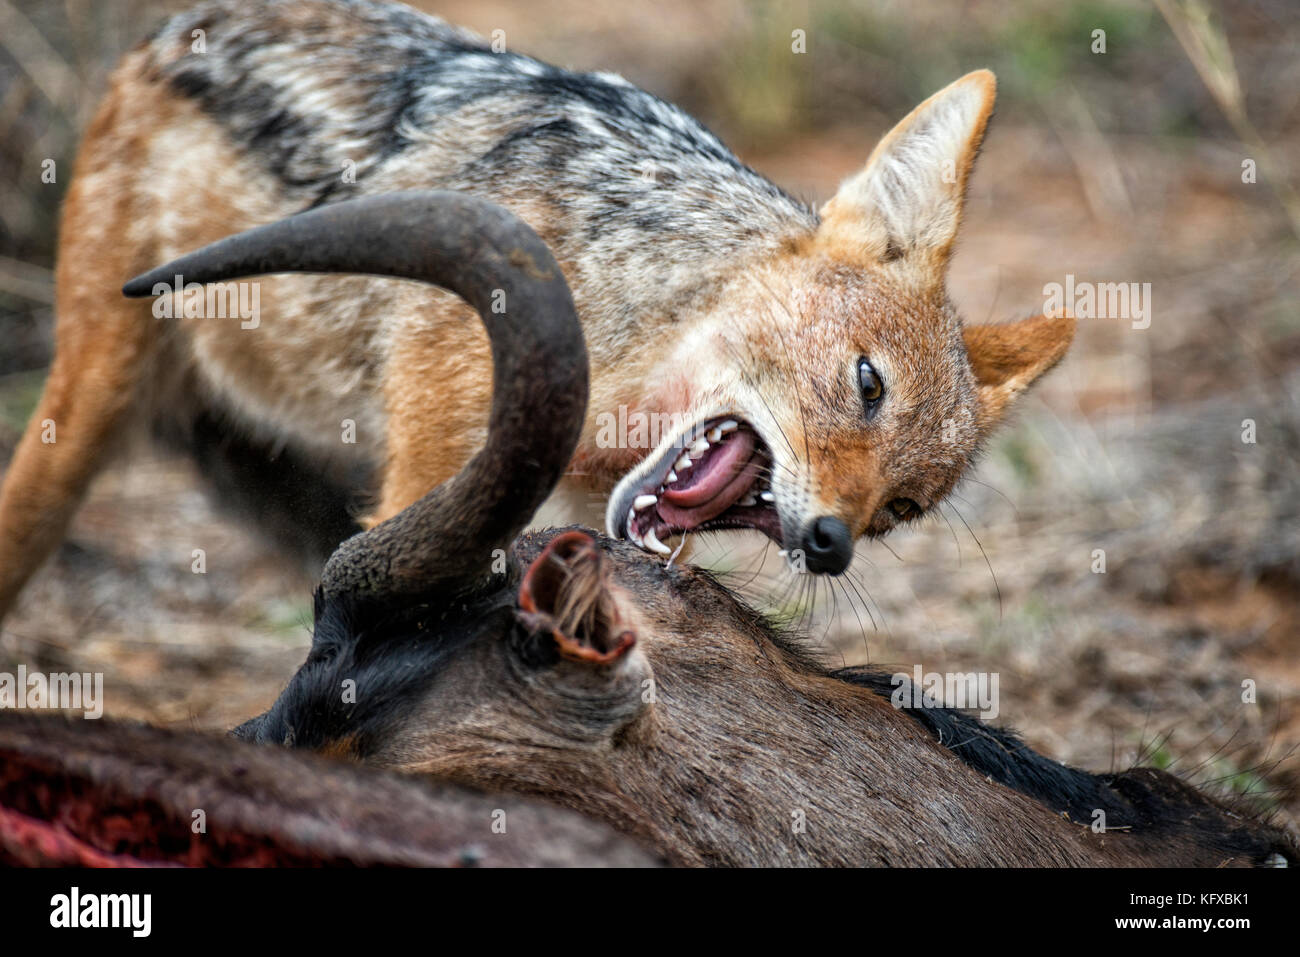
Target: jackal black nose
<point x="827" y="546"/>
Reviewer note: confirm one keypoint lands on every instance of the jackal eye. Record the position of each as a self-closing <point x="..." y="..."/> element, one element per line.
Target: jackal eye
<point x="904" y="508"/>
<point x="873" y="389"/>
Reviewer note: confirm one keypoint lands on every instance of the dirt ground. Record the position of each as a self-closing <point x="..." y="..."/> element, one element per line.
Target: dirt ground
<point x="1132" y="448"/>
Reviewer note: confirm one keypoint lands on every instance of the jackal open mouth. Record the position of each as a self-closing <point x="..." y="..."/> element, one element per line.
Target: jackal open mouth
<point x="718" y="476"/>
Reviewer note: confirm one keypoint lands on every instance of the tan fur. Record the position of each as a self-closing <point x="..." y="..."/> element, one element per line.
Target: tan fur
<point x="103" y="347"/>
<point x="437" y="401"/>
<point x="1007" y="358"/>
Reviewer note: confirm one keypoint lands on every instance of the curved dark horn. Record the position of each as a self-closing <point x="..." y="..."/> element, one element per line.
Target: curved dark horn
<point x="539" y="364"/>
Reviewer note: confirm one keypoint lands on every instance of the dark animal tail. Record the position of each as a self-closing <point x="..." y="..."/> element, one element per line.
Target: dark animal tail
<point x="303" y="504"/>
<point x="1154" y="804"/>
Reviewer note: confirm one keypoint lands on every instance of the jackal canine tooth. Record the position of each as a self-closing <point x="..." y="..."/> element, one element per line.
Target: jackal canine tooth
<point x="651" y="542"/>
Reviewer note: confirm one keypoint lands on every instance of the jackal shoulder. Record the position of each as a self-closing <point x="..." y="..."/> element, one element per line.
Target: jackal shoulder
<point x="336" y="98"/>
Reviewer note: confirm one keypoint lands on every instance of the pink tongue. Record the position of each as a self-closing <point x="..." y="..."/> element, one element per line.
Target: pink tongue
<point x="715" y="484"/>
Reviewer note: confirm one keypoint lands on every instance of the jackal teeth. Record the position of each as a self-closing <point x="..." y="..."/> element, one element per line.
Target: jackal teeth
<point x="767" y="495"/>
<point x="643" y="502"/>
<point x="683" y="461"/>
<point x="700" y="447"/>
<point x="651" y="542"/>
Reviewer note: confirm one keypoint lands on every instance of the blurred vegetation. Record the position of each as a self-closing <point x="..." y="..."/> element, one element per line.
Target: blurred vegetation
<point x="863" y="57"/>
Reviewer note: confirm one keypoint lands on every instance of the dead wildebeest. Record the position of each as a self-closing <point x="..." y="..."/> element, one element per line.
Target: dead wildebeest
<point x="567" y="666"/>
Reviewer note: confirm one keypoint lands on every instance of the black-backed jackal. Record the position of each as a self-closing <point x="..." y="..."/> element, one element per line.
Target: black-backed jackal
<point x="815" y="380"/>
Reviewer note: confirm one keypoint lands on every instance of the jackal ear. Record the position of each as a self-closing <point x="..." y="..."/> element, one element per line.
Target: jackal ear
<point x="1009" y="357"/>
<point x="907" y="202"/>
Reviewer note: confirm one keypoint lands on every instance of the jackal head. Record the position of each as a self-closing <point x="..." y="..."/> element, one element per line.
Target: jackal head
<point x="835" y="391"/>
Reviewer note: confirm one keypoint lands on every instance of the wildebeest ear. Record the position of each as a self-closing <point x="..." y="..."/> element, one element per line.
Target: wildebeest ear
<point x="565" y="595"/>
